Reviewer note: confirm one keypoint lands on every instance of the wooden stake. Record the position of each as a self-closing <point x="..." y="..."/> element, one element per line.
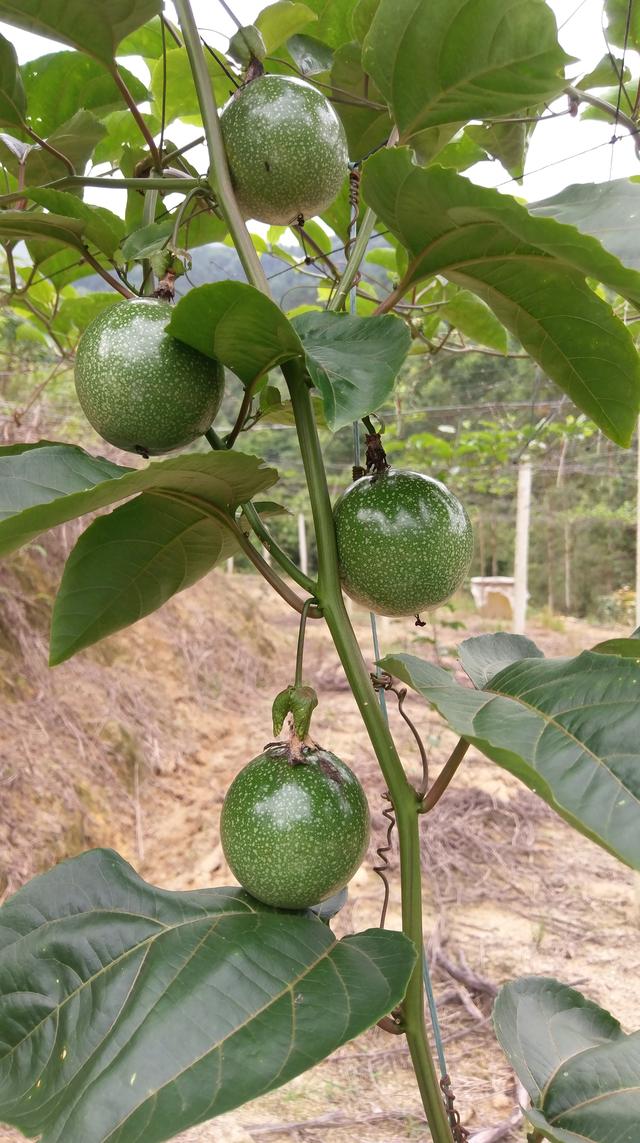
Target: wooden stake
<point x="523" y="512"/>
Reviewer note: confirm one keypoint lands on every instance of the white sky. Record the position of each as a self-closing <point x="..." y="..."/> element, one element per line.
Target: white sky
<point x="581" y="35"/>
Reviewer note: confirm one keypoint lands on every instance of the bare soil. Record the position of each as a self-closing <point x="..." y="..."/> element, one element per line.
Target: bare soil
<point x="134" y="744"/>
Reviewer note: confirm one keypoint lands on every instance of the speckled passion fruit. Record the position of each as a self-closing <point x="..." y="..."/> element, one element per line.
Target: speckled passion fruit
<point x="294" y="833"/>
<point x="286" y="148"/>
<point x="140" y="388"/>
<point x="404" y="542"/>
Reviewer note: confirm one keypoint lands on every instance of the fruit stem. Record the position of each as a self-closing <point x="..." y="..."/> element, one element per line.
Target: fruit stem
<point x="444" y="777"/>
<point x="274" y="549"/>
<point x="219" y="171"/>
<point x="297" y="682"/>
<point x="402" y="794"/>
<point x="148" y="216"/>
<point x="358" y="251"/>
<point x="264" y="535"/>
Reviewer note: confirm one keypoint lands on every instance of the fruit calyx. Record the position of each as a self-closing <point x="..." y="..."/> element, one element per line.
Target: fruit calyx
<point x="297" y="753"/>
<point x="299" y="702"/>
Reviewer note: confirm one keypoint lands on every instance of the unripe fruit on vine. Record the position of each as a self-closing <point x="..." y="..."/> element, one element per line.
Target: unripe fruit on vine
<point x="141" y="389"/>
<point x="286" y="149"/>
<point x="404" y="542"/>
<point x="294" y="832"/>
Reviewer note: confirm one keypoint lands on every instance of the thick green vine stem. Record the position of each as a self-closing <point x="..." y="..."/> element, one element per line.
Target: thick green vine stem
<point x="403" y="796"/>
<point x="219" y="174"/>
<point x="329" y="597"/>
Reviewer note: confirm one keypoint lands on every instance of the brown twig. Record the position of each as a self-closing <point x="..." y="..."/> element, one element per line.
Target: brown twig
<point x="48" y="147"/>
<point x="444" y="777"/>
<point x="133" y="107"/>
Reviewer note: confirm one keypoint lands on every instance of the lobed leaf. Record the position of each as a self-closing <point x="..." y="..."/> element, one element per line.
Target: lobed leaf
<point x="98" y="969"/>
<point x="567" y="728"/>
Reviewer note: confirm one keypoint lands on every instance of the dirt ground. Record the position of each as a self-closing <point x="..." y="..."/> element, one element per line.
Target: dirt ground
<point x="152" y="719"/>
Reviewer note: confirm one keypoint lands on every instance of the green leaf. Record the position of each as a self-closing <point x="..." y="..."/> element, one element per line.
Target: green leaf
<point x="474" y="319"/>
<point x="181" y="100"/>
<point x="580" y="1069"/>
<point x="629" y="648"/>
<point x="90" y="1050"/>
<point x="121" y="130"/>
<point x="57" y="85"/>
<point x="608" y="211"/>
<point x="361" y="17"/>
<point x="78" y="312"/>
<point x="606" y="73"/>
<point x="280" y="21"/>
<point x="334" y="18"/>
<point x="366" y="127"/>
<point x="245" y="45"/>
<point x="21" y="224"/>
<point x="147" y="240"/>
<point x="617" y="13"/>
<point x="56" y="483"/>
<point x="13" y="104"/>
<point x="506" y="142"/>
<point x="95" y="29"/>
<point x="76" y="139"/>
<point x="237" y="325"/>
<point x="483" y="656"/>
<point x="61" y="266"/>
<point x="130" y="562"/>
<point x="460" y="153"/>
<point x="531" y="272"/>
<point x="450" y="60"/>
<point x="310" y="55"/>
<point x="102" y="227"/>
<point x="353" y="361"/>
<point x="146" y="41"/>
<point x="567" y="728"/>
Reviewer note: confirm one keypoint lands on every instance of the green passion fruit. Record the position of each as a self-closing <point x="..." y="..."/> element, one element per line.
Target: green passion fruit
<point x="141" y="389"/>
<point x="294" y="832"/>
<point x="286" y="149"/>
<point x="404" y="542"/>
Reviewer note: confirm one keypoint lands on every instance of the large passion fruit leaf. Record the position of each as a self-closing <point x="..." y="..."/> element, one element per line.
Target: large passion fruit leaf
<point x="567" y="728"/>
<point x="131" y="561"/>
<point x="449" y="61"/>
<point x="130" y="1012"/>
<point x="609" y="211"/>
<point x="13" y="103"/>
<point x="95" y="28"/>
<point x="56" y="85"/>
<point x="580" y="1069"/>
<point x="43" y="486"/>
<point x="352" y="361"/>
<point x="532" y="272"/>
<point x="238" y="325"/>
<point x="483" y="656"/>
